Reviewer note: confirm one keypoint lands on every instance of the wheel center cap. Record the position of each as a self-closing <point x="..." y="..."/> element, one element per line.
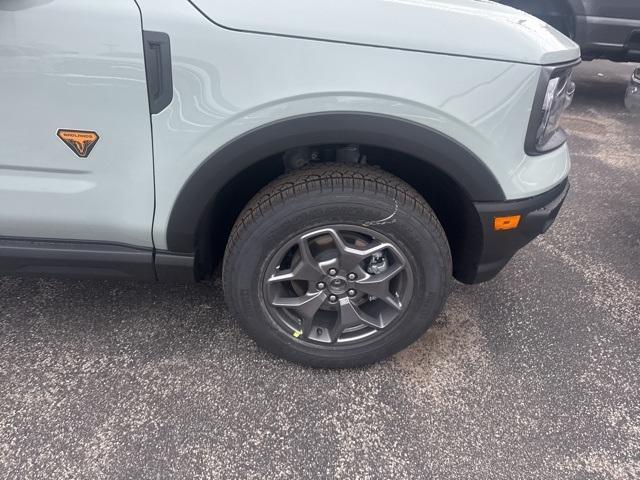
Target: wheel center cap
<point x="338" y="285"/>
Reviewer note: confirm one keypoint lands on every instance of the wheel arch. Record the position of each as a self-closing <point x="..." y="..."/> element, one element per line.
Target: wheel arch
<point x="216" y="192"/>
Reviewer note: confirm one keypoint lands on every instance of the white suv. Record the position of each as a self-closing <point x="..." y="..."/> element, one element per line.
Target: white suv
<point x="343" y="160"/>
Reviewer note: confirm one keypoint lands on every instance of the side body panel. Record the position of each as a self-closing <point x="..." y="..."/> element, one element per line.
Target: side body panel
<point x="227" y="83"/>
<point x="70" y="64"/>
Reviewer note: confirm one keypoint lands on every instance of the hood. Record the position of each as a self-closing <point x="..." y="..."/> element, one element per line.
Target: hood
<point x="474" y="28"/>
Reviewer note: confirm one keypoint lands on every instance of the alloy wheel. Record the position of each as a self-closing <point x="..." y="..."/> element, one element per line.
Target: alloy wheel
<point x="337" y="285"/>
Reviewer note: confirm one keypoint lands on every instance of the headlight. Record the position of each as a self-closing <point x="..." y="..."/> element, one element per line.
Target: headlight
<point x="555" y="94"/>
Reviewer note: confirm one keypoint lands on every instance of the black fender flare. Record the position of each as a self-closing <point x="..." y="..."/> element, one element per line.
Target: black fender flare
<point x="198" y="194"/>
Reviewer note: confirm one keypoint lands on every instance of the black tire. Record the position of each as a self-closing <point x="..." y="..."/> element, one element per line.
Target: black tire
<point x="330" y="194"/>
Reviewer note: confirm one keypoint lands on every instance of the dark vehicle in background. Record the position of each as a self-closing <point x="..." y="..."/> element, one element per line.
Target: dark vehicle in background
<point x="608" y="29"/>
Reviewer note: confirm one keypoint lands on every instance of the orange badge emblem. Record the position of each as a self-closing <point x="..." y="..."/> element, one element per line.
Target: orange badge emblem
<point x="80" y="141"/>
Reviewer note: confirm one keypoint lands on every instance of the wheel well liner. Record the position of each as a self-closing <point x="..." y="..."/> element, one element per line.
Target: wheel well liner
<point x="437" y="150"/>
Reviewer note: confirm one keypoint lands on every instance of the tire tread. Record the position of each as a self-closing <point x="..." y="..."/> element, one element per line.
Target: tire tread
<point x="332" y="177"/>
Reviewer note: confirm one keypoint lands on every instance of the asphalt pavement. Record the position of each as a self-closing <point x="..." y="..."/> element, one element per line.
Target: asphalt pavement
<point x="534" y="375"/>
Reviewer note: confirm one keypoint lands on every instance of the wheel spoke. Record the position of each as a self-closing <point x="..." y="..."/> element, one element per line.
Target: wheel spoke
<point x="349" y="315"/>
<point x="307" y="268"/>
<point x="307" y="262"/>
<point x="305" y="307"/>
<point x="378" y="285"/>
<point x="351" y="258"/>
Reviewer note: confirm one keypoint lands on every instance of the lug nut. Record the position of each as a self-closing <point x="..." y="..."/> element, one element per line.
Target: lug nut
<point x="352" y="276"/>
<point x="320" y="285"/>
<point x="351" y="293"/>
<point x="332" y="271"/>
<point x="333" y="298"/>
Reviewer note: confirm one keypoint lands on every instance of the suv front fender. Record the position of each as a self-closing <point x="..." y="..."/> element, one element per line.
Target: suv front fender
<point x="435" y="149"/>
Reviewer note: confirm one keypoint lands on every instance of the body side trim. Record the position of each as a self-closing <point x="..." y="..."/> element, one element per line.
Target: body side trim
<point x="75" y="258"/>
<point x="175" y="267"/>
<point x="157" y="61"/>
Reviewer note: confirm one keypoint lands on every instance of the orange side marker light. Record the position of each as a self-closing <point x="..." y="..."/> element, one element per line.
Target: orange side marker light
<point x="506" y="223"/>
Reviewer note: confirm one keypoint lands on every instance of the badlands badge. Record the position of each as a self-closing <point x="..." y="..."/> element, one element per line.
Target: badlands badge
<point x="80" y="141"/>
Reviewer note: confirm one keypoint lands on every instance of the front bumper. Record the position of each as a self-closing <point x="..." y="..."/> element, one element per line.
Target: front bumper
<point x="537" y="215"/>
